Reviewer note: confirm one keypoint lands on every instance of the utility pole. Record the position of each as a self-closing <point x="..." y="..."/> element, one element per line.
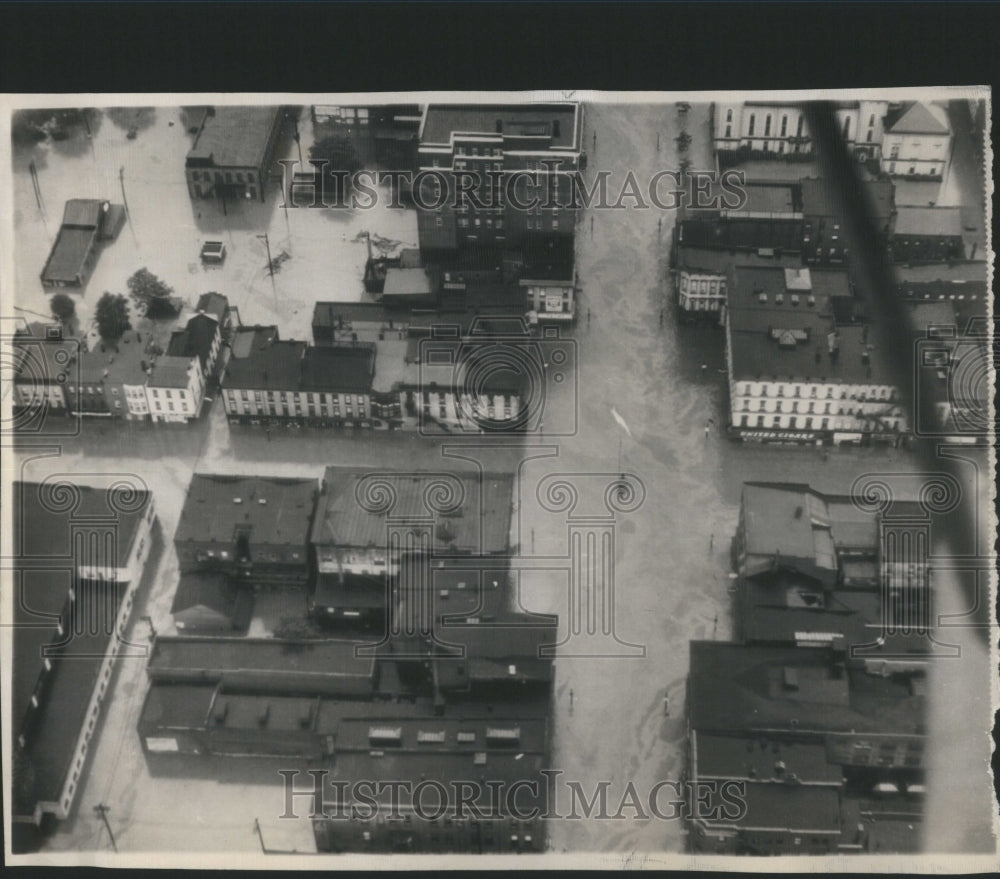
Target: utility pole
<point x="270" y="265"/>
<point x="102" y="811"/>
<point x="121" y="179"/>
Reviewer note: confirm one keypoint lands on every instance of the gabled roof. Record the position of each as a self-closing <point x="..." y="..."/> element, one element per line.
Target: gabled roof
<point x="919" y="118"/>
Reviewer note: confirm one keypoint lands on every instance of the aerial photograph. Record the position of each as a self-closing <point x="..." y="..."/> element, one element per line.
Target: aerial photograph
<point x="525" y="476"/>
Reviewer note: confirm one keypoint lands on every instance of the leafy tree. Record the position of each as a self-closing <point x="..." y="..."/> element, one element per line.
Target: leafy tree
<point x="341" y="158"/>
<point x="63" y="307"/>
<point x="152" y="297"/>
<point x="112" y="316"/>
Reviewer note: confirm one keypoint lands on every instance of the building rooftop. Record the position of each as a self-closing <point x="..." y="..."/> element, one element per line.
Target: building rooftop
<point x="928" y="221"/>
<point x="68" y="253"/>
<point x="716" y="261"/>
<point x="790" y="522"/>
<point x="242" y="661"/>
<point x="953" y="272"/>
<point x="918" y="118"/>
<point x="122" y="362"/>
<point x="347" y="367"/>
<point x="51" y="742"/>
<point x="741" y="688"/>
<point x="248" y="340"/>
<point x="817" y="200"/>
<point x="341" y="315"/>
<point x="791" y="808"/>
<point x="277" y="510"/>
<point x="214" y="305"/>
<point x="209" y="589"/>
<point x="196" y="339"/>
<point x="267" y="365"/>
<point x="47" y="516"/>
<point x="759" y="758"/>
<point x="169" y="372"/>
<point x="442" y="122"/>
<point x="234" y="137"/>
<point x="472" y="518"/>
<point x="350" y="591"/>
<point x="407" y="282"/>
<point x="782" y="327"/>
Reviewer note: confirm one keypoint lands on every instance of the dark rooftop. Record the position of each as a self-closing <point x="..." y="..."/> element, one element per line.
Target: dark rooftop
<point x="343" y="367"/>
<point x="63" y="709"/>
<point x="277" y="510"/>
<point x="306" y="665"/>
<point x="738" y="688"/>
<point x="441" y="121"/>
<point x="208" y="589"/>
<point x="780" y="326"/>
<point x="477" y="518"/>
<point x="68" y="254"/>
<point x="755" y="758"/>
<point x="234" y="137"/>
<point x="267" y="365"/>
<point x="213" y="304"/>
<point x="44" y="520"/>
<point x="717" y="261"/>
<point x="249" y="340"/>
<point x="196" y="339"/>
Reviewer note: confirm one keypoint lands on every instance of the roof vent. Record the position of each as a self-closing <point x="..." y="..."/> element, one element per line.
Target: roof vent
<point x="811" y="299"/>
<point x="795" y="299"/>
<point x="779" y="298"/>
<point x="262" y="501"/>
<point x="237" y="500"/>
<point x="762" y="298"/>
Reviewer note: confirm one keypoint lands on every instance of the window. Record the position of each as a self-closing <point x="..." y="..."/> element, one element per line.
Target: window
<point x="729" y="115"/>
<point x="798" y="129"/>
<point x="871" y="120"/>
<point x="847" y="128"/>
<point x="767" y="125"/>
<point x="753" y="120"/>
<point x="729" y="131"/>
<point x="784" y="125"/>
<point x="868" y="137"/>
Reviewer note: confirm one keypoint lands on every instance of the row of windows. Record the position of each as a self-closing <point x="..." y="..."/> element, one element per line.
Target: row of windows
<point x="694" y="287"/>
<point x="474" y="151"/>
<point x="814" y="423"/>
<point x="874" y="392"/>
<point x="788" y="406"/>
<point x="207" y="176"/>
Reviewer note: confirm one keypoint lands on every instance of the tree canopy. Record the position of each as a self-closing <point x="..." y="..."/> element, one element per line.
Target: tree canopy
<point x="152" y="297"/>
<point x="112" y="316"/>
<point x="62" y="307"/>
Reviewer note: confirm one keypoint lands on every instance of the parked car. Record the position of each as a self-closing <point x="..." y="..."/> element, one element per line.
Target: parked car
<point x="213" y="252"/>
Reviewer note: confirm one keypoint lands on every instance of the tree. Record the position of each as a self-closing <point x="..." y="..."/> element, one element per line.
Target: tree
<point x="112" y="316"/>
<point x="63" y="307"/>
<point x="340" y="158"/>
<point x="151" y="296"/>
